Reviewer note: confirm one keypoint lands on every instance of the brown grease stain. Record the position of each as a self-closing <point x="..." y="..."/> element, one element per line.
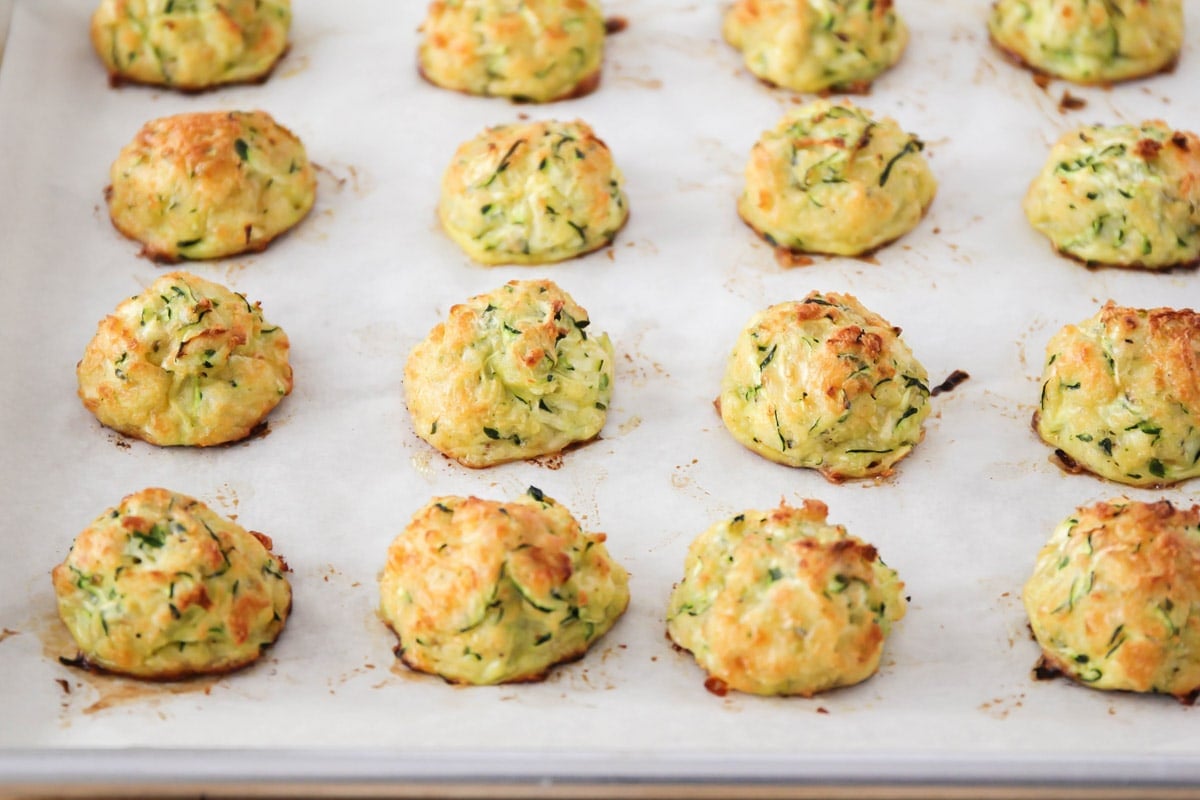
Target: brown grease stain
<point x="227" y="497"/>
<point x="789" y="259"/>
<point x="953" y="380"/>
<point x="615" y="25"/>
<point x="716" y="686"/>
<point x="341" y="175"/>
<point x="7" y="632"/>
<point x="1000" y="707"/>
<point x="640" y="82"/>
<point x="553" y="461"/>
<point x="108" y="690"/>
<point x="116" y="691"/>
<point x="233" y="269"/>
<point x="294" y="67"/>
<point x="1069" y="102"/>
<point x="636" y="367"/>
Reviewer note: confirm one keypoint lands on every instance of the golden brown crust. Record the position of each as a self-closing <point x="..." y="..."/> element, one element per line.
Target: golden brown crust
<point x="511" y="374"/>
<point x="809" y="46"/>
<point x="1121" y="395"/>
<point x="829" y="178"/>
<point x="1113" y="597"/>
<point x="482" y="592"/>
<point x="533" y="193"/>
<point x="187" y="362"/>
<point x="825" y="383"/>
<point x="780" y="602"/>
<point x="533" y="51"/>
<point x="190" y="47"/>
<point x="1123" y="196"/>
<point x="208" y="185"/>
<point x="161" y="588"/>
<point x="1089" y="44"/>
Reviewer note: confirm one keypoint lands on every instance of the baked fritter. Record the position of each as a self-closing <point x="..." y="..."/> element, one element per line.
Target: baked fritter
<point x="829" y="178"/>
<point x="781" y="602"/>
<point x="1121" y="394"/>
<point x="511" y="374"/>
<point x="827" y="384"/>
<point x="485" y="592"/>
<point x="190" y="44"/>
<point x="817" y="45"/>
<point x="187" y="362"/>
<point x="160" y="587"/>
<point x="1114" y="599"/>
<point x="1090" y="42"/>
<point x="209" y="185"/>
<point x="1124" y="196"/>
<point x="533" y="193"/>
<point x="531" y="50"/>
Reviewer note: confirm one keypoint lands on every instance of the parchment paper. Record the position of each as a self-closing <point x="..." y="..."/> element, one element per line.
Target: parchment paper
<point x="369" y="273"/>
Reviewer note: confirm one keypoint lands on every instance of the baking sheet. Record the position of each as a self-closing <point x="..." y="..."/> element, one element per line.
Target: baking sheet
<point x="369" y="273"/>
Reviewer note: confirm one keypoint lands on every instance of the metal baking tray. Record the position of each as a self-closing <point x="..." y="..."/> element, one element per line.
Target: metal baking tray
<point x="369" y="273"/>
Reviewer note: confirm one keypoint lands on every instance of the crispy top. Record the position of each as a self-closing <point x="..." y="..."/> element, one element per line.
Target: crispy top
<point x="780" y="602"/>
<point x="511" y="374"/>
<point x="206" y="185"/>
<point x="187" y="362"/>
<point x="1121" y="394"/>
<point x="825" y="383"/>
<point x="814" y="46"/>
<point x="1114" y="599"/>
<point x="829" y="178"/>
<point x="484" y="592"/>
<point x="1121" y="195"/>
<point x="190" y="44"/>
<point x="161" y="587"/>
<point x="536" y="50"/>
<point x="533" y="193"/>
<point x="1090" y="42"/>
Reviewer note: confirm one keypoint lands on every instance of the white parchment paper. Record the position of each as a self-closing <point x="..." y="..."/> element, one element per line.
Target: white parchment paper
<point x="369" y="273"/>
